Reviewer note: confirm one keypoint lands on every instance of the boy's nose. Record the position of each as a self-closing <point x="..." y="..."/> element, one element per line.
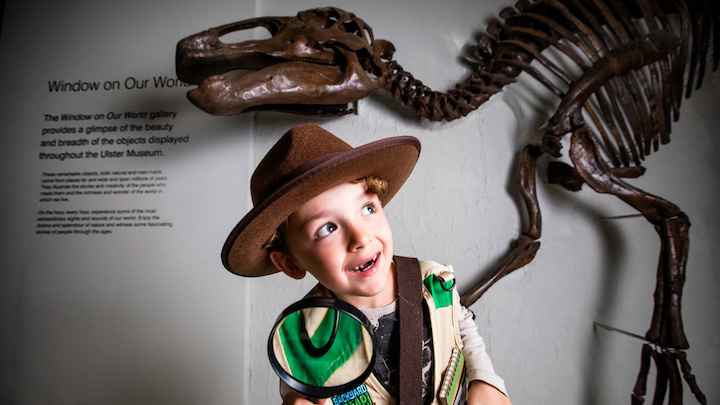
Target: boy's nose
<point x="358" y="237"/>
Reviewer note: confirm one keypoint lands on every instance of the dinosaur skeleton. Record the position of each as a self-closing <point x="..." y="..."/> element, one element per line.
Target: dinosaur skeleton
<point x="635" y="60"/>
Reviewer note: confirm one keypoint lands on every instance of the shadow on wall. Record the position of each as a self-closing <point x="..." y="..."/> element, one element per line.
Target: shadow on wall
<point x="2" y="15"/>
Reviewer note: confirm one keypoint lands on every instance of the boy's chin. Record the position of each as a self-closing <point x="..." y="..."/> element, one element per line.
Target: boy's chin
<point x="376" y="296"/>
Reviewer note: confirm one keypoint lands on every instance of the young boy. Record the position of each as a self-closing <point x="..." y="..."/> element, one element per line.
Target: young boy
<point x="318" y="209"/>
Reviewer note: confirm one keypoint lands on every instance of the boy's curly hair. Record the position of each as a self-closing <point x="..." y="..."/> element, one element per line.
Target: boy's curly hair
<point x="278" y="242"/>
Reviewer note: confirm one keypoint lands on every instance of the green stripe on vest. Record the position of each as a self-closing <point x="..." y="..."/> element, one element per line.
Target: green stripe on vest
<point x="441" y="296"/>
<point x="317" y="370"/>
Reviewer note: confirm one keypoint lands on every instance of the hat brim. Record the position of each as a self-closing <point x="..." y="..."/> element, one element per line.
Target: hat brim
<point x="391" y="159"/>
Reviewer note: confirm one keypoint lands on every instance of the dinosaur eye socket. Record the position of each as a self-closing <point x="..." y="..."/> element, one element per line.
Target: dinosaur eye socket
<point x="351" y="27"/>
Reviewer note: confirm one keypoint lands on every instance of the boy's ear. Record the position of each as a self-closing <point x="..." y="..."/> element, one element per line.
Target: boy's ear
<point x="287" y="265"/>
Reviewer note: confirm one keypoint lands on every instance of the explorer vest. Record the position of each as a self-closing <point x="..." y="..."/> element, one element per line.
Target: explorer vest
<point x="443" y="303"/>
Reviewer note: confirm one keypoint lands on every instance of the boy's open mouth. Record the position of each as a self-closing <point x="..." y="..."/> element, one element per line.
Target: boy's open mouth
<point x="367" y="265"/>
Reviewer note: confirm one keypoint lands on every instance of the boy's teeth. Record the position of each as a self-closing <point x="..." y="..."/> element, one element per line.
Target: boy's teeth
<point x="365" y="266"/>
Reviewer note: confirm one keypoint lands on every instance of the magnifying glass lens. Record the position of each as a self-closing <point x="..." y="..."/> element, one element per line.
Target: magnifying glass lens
<point x="322" y="351"/>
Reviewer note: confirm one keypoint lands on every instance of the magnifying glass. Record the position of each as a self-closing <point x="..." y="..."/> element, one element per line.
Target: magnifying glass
<point x="322" y="347"/>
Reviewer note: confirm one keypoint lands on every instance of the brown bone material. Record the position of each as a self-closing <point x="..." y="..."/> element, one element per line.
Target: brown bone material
<point x="631" y="55"/>
<point x="324" y="54"/>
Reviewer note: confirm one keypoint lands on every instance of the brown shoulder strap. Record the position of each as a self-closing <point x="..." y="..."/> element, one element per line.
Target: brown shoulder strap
<point x="409" y="286"/>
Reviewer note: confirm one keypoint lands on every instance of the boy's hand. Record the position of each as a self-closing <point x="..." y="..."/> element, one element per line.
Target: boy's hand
<point x="481" y="393"/>
<point x="296" y="398"/>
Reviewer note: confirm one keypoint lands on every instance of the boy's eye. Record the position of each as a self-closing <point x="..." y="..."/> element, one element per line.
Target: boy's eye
<point x="368" y="209"/>
<point x="325" y="230"/>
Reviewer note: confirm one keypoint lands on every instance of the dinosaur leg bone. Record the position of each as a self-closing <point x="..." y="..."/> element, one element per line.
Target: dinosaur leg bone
<point x="665" y="360"/>
<point x="681" y="357"/>
<point x="672" y="225"/>
<point x="526" y="246"/>
<point x="667" y="328"/>
<point x="674" y="380"/>
<point x="669" y="221"/>
<point x="641" y="383"/>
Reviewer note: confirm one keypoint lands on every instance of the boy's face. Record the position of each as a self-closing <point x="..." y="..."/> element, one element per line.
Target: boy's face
<point x="343" y="239"/>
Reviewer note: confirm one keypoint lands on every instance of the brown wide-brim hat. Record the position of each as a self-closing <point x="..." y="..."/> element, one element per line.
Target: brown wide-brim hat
<point x="304" y="163"/>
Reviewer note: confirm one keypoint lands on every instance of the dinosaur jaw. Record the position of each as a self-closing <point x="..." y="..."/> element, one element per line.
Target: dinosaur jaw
<point x="293" y="87"/>
<point x="296" y="87"/>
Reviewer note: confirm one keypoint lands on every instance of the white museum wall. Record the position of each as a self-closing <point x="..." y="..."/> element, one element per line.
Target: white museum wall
<point x="138" y="315"/>
<point x="150" y="315"/>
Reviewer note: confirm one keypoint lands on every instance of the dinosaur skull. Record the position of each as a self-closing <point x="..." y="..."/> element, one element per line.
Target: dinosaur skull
<point x="313" y="64"/>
